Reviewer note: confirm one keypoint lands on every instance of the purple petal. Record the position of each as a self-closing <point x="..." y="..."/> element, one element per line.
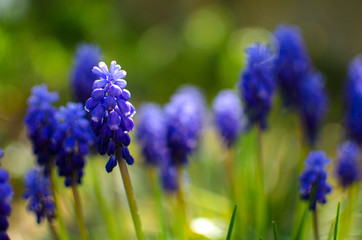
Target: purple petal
<point x="123" y="106"/>
<point x="109" y="102"/>
<point x="114" y="120"/>
<point x="98" y="113"/>
<point x="97" y="94"/>
<point x="90" y="104"/>
<point x="101" y="83"/>
<point x="120" y="83"/>
<point x="126" y="95"/>
<point x="115" y="90"/>
<point x="98" y="72"/>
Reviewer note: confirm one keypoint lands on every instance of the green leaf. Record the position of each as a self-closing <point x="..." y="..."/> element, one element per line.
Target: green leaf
<point x="337" y="219"/>
<point x="228" y="237"/>
<point x="330" y="234"/>
<point x="275" y="231"/>
<point x="301" y="226"/>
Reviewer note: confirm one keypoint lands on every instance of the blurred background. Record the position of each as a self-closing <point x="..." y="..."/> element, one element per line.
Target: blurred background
<point x="161" y="44"/>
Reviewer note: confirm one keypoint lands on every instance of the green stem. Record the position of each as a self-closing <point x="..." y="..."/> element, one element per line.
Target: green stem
<point x="107" y="213"/>
<point x="229" y="173"/>
<point x="262" y="209"/>
<point x="181" y="206"/>
<point x="315" y="225"/>
<point x="157" y="193"/>
<point x="79" y="211"/>
<point x="58" y="215"/>
<point x="130" y="195"/>
<point x="53" y="230"/>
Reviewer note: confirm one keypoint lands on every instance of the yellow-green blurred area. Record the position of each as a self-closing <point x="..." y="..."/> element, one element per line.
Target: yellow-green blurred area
<point x="162" y="45"/>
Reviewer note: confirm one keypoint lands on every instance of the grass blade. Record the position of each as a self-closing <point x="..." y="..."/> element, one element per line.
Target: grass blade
<point x="330" y="234"/>
<point x="275" y="231"/>
<point x="228" y="237"/>
<point x="337" y="219"/>
<point x="301" y="226"/>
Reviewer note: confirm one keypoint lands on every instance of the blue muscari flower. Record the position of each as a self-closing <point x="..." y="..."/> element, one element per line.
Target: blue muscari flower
<point x="257" y="83"/>
<point x="73" y="136"/>
<point x="82" y="78"/>
<point x="228" y="116"/>
<point x="152" y="134"/>
<point x="185" y="115"/>
<point x="111" y="113"/>
<point x="347" y="169"/>
<point x="40" y="122"/>
<point x="169" y="178"/>
<point x="353" y="99"/>
<point x="313" y="105"/>
<point x="37" y="191"/>
<point x="6" y="194"/>
<point x="313" y="184"/>
<point x="292" y="63"/>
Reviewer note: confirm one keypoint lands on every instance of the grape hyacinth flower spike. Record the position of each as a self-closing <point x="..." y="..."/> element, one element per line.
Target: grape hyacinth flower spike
<point x="314" y="105"/>
<point x="257" y="83"/>
<point x="152" y="134"/>
<point x="292" y="62"/>
<point x="111" y="120"/>
<point x="82" y="78"/>
<point x="185" y="116"/>
<point x="38" y="192"/>
<point x="6" y="194"/>
<point x="72" y="137"/>
<point x="313" y="184"/>
<point x="40" y="122"/>
<point x="347" y="169"/>
<point x="228" y="116"/>
<point x="111" y="113"/>
<point x="353" y="100"/>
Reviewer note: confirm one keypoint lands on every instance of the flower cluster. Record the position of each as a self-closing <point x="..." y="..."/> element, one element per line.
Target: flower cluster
<point x="185" y="115"/>
<point x="353" y="97"/>
<point x="152" y="134"/>
<point x="228" y="116"/>
<point x="348" y="169"/>
<point x="40" y="121"/>
<point x="6" y="193"/>
<point x="37" y="190"/>
<point x="292" y="62"/>
<point x="111" y="113"/>
<point x="313" y="107"/>
<point x="301" y="87"/>
<point x="82" y="78"/>
<point x="257" y="83"/>
<point x="72" y="138"/>
<point x="313" y="184"/>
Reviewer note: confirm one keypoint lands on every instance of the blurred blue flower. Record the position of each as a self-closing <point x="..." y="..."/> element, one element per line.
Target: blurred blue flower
<point x="257" y="83"/>
<point x="82" y="78"/>
<point x="111" y="112"/>
<point x="313" y="105"/>
<point x="6" y="194"/>
<point x="152" y="134"/>
<point x="353" y="97"/>
<point x="37" y="190"/>
<point x="169" y="178"/>
<point x="73" y="136"/>
<point x="313" y="184"/>
<point x="185" y="115"/>
<point x="228" y="116"/>
<point x="347" y="169"/>
<point x="292" y="62"/>
<point x="40" y="122"/>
